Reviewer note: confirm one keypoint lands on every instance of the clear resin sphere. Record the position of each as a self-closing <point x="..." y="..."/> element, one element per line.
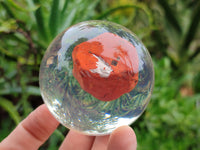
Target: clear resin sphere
<point x="96" y="76"/>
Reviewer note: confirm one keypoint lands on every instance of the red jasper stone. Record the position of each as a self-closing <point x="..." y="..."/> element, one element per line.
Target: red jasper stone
<point x="106" y="66"/>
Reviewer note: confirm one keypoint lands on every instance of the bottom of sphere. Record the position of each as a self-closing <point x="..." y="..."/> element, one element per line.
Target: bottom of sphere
<point x="88" y="126"/>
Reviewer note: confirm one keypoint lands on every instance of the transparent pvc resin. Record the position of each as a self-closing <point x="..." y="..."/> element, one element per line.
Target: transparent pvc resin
<point x="96" y="76"/>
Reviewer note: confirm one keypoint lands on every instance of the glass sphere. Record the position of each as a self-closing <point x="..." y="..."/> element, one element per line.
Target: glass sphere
<point x="96" y="76"/>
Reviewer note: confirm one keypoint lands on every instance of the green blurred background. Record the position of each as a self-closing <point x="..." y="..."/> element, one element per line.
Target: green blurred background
<point x="169" y="29"/>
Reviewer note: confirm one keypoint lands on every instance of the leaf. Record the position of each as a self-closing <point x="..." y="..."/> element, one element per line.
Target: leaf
<point x="40" y="23"/>
<point x="59" y="134"/>
<point x="7" y="52"/>
<point x="16" y="6"/>
<point x="21" y="8"/>
<point x="55" y="139"/>
<point x="8" y="10"/>
<point x="6" y="126"/>
<point x="32" y="90"/>
<point x="192" y="30"/>
<point x="170" y="15"/>
<point x="31" y="4"/>
<point x="10" y="90"/>
<point x="11" y="109"/>
<point x="65" y="7"/>
<point x="54" y="18"/>
<point x="135" y="5"/>
<point x="8" y="25"/>
<point x="68" y="20"/>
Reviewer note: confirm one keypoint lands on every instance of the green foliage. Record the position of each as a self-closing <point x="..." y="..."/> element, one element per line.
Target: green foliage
<point x="10" y="108"/>
<point x="182" y="34"/>
<point x="170" y="120"/>
<point x="169" y="29"/>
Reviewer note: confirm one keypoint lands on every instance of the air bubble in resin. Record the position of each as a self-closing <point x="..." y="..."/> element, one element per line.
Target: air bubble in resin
<point x="96" y="76"/>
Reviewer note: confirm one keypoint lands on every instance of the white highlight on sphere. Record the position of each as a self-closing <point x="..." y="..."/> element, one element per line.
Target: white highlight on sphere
<point x="103" y="69"/>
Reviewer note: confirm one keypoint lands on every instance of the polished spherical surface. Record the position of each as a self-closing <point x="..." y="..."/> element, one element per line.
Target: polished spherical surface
<point x="96" y="76"/>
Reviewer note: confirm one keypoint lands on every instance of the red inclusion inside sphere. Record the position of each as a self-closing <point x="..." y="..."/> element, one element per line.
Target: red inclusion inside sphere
<point x="106" y="66"/>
